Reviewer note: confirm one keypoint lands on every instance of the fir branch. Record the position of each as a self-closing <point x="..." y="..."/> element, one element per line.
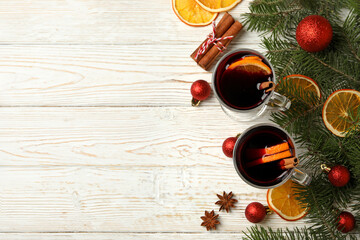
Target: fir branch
<point x="286" y="67"/>
<point x="334" y="69"/>
<point x="351" y="146"/>
<point x="281" y="13"/>
<point x="307" y="112"/>
<point x="351" y="33"/>
<point x="282" y="50"/>
<point x="261" y="233"/>
<point x="352" y="50"/>
<point x="320" y="213"/>
<point x="272" y="16"/>
<point x="264" y="2"/>
<point x="355" y="5"/>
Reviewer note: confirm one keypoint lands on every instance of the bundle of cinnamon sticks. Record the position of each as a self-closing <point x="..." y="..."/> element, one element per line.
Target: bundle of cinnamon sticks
<point x="226" y="27"/>
<point x="281" y="153"/>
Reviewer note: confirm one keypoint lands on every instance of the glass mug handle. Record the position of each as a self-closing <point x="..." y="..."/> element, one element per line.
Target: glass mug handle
<point x="279" y="102"/>
<point x="300" y="177"/>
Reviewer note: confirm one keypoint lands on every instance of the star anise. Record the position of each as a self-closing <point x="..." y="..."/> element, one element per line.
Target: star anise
<point x="226" y="201"/>
<point x="209" y="220"/>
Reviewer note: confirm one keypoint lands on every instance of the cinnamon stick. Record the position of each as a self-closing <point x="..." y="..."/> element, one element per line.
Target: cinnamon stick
<point x="267" y="86"/>
<point x="289" y="166"/>
<point x="290" y="163"/>
<point x="223" y="25"/>
<point x="211" y="55"/>
<point x="270" y="158"/>
<point x="284" y="164"/>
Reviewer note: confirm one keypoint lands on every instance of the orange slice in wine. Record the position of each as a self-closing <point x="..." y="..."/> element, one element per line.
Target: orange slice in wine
<point x="251" y="64"/>
<point x="254" y="153"/>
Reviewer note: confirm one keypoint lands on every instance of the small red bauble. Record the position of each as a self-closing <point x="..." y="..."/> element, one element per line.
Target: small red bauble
<point x="339" y="176"/>
<point x="346" y="222"/>
<point x="314" y="33"/>
<point x="255" y="212"/>
<point x="200" y="90"/>
<point x="228" y="146"/>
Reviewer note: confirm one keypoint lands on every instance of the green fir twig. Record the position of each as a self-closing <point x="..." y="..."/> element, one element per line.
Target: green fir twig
<point x="336" y="67"/>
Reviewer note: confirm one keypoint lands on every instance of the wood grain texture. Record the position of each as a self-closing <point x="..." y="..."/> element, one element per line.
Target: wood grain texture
<point x="122" y="199"/>
<point x="143" y="68"/>
<point x="168" y="166"/>
<point x="99" y="21"/>
<point x="154" y="75"/>
<point x="124" y="236"/>
<point x="97" y="136"/>
<point x="125" y="136"/>
<point x="121" y="236"/>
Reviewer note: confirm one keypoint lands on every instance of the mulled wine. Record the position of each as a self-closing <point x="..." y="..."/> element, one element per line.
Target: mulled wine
<point x="261" y="155"/>
<point x="238" y="78"/>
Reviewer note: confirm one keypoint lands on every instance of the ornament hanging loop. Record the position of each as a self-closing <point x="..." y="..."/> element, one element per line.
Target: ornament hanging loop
<point x="325" y="168"/>
<point x="268" y="210"/>
<point x="195" y="102"/>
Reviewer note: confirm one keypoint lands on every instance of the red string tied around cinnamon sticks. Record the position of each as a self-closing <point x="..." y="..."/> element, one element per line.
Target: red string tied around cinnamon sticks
<point x="211" y="39"/>
<point x="216" y="42"/>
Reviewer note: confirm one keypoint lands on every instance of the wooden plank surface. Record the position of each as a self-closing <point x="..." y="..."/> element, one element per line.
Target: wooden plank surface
<point x="98" y="138"/>
<point x="122" y="236"/>
<point x="122" y="199"/>
<point x="152" y="75"/>
<point x="160" y="182"/>
<point x="107" y="60"/>
<point x="127" y="136"/>
<point x="99" y="21"/>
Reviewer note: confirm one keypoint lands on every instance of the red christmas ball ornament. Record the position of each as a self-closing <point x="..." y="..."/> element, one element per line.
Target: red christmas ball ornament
<point x="314" y="33"/>
<point x="346" y="222"/>
<point x="200" y="90"/>
<point x="338" y="175"/>
<point x="228" y="146"/>
<point x="255" y="212"/>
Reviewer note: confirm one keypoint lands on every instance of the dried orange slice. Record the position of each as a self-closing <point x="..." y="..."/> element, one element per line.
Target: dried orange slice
<point x="308" y="84"/>
<point x="189" y="12"/>
<point x="282" y="201"/>
<point x="251" y="64"/>
<point x="339" y="111"/>
<point x="218" y="5"/>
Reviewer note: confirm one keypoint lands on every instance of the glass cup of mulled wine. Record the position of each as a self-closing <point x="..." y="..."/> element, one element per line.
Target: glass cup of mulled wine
<point x="265" y="157"/>
<point x="244" y="82"/>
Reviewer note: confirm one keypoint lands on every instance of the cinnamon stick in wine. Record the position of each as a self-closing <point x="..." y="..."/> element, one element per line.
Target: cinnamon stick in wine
<point x="284" y="164"/>
<point x="288" y="163"/>
<point x="271" y="158"/>
<point x="223" y="25"/>
<point x="211" y="55"/>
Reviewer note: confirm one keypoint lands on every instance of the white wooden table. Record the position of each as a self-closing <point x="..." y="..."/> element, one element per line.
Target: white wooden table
<point x="98" y="137"/>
